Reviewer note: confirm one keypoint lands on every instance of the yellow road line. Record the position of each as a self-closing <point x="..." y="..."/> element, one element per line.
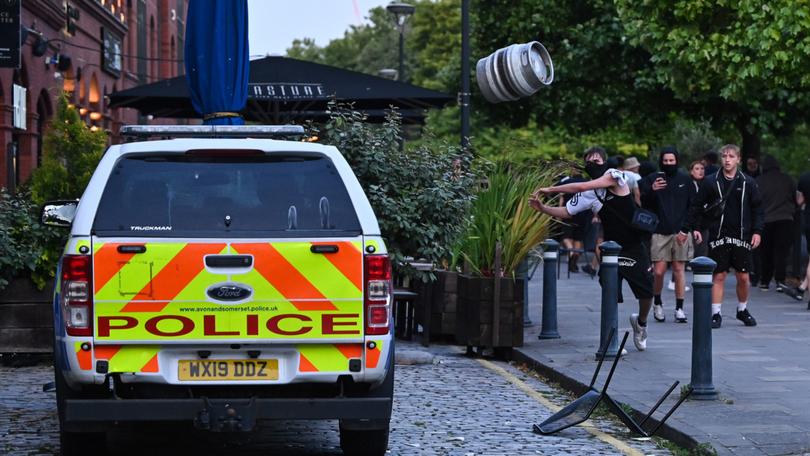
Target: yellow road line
<point x="587" y="425"/>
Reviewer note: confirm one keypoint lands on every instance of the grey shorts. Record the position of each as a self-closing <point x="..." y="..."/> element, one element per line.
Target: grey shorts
<point x="664" y="247"/>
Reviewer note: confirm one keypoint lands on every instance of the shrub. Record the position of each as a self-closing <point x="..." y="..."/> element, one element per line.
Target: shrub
<point x="71" y="153"/>
<point x="27" y="247"/>
<point x="421" y="195"/>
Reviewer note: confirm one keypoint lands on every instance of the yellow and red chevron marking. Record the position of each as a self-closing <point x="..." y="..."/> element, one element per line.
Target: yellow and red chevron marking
<point x="107" y="262"/>
<point x="161" y="293"/>
<point x="84" y="358"/>
<point x="373" y="355"/>
<point x="129" y="358"/>
<point x="158" y="274"/>
<point x="327" y="357"/>
<point x="346" y="260"/>
<point x="174" y="277"/>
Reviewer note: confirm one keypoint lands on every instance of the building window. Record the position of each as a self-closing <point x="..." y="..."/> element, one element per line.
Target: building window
<point x="116" y="9"/>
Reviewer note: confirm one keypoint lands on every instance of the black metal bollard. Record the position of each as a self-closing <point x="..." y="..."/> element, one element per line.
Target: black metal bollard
<point x="703" y="388"/>
<point x="523" y="273"/>
<point x="549" y="326"/>
<point x="609" y="280"/>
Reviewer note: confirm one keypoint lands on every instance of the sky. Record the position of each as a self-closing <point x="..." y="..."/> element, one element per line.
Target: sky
<point x="274" y="24"/>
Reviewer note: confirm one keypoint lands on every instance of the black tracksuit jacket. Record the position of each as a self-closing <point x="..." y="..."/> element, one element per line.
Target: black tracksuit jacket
<point x="743" y="213"/>
<point x="671" y="204"/>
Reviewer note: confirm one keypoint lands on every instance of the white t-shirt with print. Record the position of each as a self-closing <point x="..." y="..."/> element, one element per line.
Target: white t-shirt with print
<point x="583" y="201"/>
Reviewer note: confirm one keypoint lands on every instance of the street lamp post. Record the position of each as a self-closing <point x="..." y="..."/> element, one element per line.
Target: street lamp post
<point x="465" y="75"/>
<point x="401" y="12"/>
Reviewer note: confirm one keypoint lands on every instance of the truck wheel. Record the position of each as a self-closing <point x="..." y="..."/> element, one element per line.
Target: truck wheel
<point x="82" y="443"/>
<point x="75" y="443"/>
<point x="364" y="443"/>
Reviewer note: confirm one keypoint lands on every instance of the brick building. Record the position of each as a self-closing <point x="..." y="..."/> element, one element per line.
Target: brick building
<point x="88" y="49"/>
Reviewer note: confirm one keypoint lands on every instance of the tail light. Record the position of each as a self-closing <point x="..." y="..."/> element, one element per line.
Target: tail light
<point x="77" y="302"/>
<point x="378" y="294"/>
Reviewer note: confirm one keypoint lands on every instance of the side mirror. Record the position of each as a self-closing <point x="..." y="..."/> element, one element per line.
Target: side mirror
<point x="59" y="213"/>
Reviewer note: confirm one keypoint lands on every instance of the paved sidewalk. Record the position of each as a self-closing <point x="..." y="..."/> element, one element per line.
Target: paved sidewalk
<point x="762" y="373"/>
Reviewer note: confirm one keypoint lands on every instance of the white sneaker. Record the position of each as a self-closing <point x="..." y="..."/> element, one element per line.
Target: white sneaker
<point x="680" y="316"/>
<point x="639" y="333"/>
<point x="671" y="286"/>
<point x="658" y="312"/>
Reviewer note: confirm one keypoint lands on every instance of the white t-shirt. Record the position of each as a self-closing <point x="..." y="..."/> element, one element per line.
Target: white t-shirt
<point x="632" y="179"/>
<point x="583" y="201"/>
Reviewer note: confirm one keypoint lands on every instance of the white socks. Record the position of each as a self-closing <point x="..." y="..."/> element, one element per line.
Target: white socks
<point x="740" y="307"/>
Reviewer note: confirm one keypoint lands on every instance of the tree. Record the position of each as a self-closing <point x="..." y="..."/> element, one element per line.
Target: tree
<point x="600" y="81"/>
<point x="366" y="48"/>
<point x="743" y="61"/>
<point x="432" y="45"/>
<point x="72" y="152"/>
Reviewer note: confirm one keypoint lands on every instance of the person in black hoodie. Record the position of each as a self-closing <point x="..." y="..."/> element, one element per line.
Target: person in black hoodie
<point x="779" y="203"/>
<point x="730" y="206"/>
<point x="669" y="194"/>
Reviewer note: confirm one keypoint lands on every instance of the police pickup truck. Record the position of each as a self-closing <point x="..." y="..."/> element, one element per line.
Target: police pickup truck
<point x="221" y="277"/>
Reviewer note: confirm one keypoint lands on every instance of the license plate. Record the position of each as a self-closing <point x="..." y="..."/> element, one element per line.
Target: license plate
<point x="227" y="369"/>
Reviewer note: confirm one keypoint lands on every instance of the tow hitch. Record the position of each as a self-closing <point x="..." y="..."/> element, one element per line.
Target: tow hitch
<point x="227" y="416"/>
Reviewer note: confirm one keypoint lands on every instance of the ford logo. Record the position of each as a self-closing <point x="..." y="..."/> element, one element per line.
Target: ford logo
<point x="229" y="292"/>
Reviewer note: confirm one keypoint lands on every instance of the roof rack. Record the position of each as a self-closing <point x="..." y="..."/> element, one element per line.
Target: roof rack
<point x="212" y="131"/>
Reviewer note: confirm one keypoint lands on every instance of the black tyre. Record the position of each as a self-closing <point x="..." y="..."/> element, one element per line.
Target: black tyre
<point x="364" y="443"/>
<point x="75" y="443"/>
<point x="82" y="443"/>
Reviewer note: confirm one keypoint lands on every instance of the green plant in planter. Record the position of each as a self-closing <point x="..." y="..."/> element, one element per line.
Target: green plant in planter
<point x="26" y="246"/>
<point x="501" y="213"/>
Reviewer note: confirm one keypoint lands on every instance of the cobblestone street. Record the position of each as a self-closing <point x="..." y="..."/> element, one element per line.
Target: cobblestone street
<point x="454" y="406"/>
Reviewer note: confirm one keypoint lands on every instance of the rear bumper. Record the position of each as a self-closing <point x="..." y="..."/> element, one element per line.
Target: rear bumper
<point x="225" y="414"/>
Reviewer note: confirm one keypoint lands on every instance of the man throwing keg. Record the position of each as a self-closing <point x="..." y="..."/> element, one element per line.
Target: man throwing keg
<point x="608" y="195"/>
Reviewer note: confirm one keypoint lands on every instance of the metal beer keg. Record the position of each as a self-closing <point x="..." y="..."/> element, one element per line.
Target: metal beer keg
<point x="514" y="72"/>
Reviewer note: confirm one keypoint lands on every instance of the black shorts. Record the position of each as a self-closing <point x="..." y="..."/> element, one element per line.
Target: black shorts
<point x="729" y="253"/>
<point x="807" y="240"/>
<point x="635" y="267"/>
<point x="577" y="226"/>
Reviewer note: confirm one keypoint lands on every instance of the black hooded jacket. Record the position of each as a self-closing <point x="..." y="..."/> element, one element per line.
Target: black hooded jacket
<point x="671" y="203"/>
<point x="778" y="192"/>
<point x="742" y="215"/>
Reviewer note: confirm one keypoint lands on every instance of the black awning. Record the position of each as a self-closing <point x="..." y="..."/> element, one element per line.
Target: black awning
<point x="282" y="89"/>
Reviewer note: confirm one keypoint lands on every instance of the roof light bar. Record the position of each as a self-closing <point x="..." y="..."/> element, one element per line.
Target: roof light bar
<point x="212" y="131"/>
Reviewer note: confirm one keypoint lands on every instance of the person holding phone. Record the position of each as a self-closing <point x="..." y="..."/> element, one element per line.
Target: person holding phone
<point x="669" y="194"/>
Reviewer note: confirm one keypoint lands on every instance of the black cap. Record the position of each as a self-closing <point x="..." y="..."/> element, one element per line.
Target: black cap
<point x="668" y="150"/>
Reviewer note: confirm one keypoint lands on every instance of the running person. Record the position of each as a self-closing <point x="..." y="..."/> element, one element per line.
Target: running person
<point x="609" y="190"/>
<point x="730" y="206"/>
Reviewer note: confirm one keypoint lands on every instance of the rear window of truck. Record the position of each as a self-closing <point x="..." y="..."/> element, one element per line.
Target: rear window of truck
<point x="186" y="195"/>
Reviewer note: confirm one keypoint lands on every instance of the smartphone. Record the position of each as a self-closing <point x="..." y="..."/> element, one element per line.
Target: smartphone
<point x="661" y="175"/>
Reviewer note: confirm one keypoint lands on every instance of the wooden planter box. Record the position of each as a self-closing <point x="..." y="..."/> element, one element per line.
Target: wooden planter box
<point x="26" y="318"/>
<point x="437" y="305"/>
<point x="475" y="309"/>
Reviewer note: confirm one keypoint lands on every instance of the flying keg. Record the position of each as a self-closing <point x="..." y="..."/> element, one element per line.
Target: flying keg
<point x="514" y="72"/>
